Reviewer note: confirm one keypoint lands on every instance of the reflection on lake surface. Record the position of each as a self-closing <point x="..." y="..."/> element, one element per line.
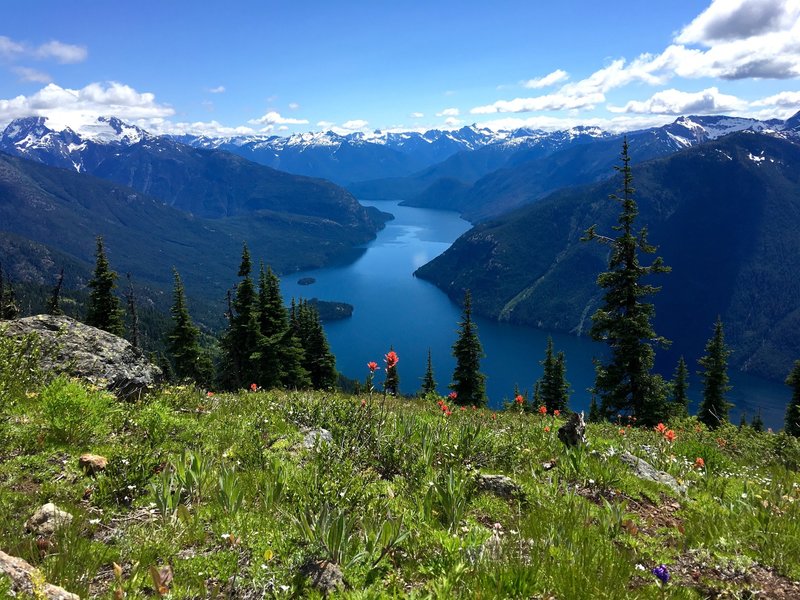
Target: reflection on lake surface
<point x="393" y="308"/>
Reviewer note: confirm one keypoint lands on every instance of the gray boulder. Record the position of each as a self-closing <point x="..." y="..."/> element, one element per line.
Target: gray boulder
<point x="324" y="575"/>
<point x="312" y="437"/>
<point x="499" y="485"/>
<point x="80" y="350"/>
<point x="644" y="470"/>
<point x="26" y="579"/>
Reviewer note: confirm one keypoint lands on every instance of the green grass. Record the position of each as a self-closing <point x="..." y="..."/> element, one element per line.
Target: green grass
<point x="221" y="489"/>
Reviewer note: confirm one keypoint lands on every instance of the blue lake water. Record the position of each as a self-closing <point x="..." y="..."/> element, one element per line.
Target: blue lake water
<point x="394" y="308"/>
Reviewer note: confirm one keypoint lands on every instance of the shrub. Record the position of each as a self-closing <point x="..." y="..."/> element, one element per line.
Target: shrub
<point x="73" y="413"/>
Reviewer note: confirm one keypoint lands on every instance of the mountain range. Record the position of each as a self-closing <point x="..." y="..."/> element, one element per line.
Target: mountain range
<point x="724" y="215"/>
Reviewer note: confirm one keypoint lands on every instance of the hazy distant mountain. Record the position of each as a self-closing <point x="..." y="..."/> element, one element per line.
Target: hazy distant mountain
<point x="725" y="215"/>
<point x="62" y="211"/>
<point x="207" y="183"/>
<point x="530" y="174"/>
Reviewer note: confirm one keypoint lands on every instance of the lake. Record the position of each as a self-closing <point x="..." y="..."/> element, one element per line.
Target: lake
<point x="395" y="309"/>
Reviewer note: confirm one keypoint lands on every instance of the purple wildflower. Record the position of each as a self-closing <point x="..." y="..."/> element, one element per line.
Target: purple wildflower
<point x="662" y="573"/>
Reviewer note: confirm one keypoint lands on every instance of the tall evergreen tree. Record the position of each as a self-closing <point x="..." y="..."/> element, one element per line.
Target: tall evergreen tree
<point x="758" y="423"/>
<point x="104" y="310"/>
<point x="680" y="387"/>
<point x="469" y="383"/>
<point x="8" y="300"/>
<point x="428" y="381"/>
<point x="793" y="410"/>
<point x="54" y="303"/>
<point x="626" y="384"/>
<point x="242" y="340"/>
<point x="133" y="313"/>
<point x="281" y="356"/>
<point x="319" y="360"/>
<point x="187" y="357"/>
<point x="714" y="407"/>
<point x="552" y="389"/>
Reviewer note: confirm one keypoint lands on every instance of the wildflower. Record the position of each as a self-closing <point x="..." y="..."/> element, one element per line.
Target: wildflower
<point x="391" y="359"/>
<point x="542" y="410"/>
<point x="463" y="408"/>
<point x="372" y="366"/>
<point x="452" y="395"/>
<point x="209" y="394"/>
<point x="556" y="412"/>
<point x="699" y="463"/>
<point x="670" y="436"/>
<point x="494" y="417"/>
<point x="721" y="442"/>
<point x="363" y="403"/>
<point x="661" y="428"/>
<point x="662" y="573"/>
<point x="474" y="407"/>
<point x="622" y="431"/>
<point x="547" y="429"/>
<point x="447" y="413"/>
<point x="519" y="399"/>
<point x="253" y="387"/>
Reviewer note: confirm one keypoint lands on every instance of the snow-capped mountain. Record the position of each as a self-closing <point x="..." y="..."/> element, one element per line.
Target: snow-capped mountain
<point x="33" y="138"/>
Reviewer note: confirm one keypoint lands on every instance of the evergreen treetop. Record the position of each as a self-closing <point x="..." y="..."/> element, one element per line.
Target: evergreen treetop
<point x="626" y="383"/>
<point x="714" y="407"/>
<point x="469" y="383"/>
<point x="680" y="387"/>
<point x="188" y="359"/>
<point x="104" y="311"/>
<point x="552" y="390"/>
<point x="428" y="381"/>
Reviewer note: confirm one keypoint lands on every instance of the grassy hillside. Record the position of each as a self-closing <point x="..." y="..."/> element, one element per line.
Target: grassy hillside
<point x="221" y="489"/>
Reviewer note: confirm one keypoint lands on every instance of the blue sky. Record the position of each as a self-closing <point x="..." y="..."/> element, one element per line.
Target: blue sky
<point x="249" y="67"/>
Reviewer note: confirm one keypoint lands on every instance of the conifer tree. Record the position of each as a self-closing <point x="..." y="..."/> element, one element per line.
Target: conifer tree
<point x="594" y="411"/>
<point x="392" y="381"/>
<point x="469" y="383"/>
<point x="8" y="300"/>
<point x="242" y="340"/>
<point x="680" y="386"/>
<point x="792" y="424"/>
<point x="188" y="359"/>
<point x="758" y="423"/>
<point x="428" y="381"/>
<point x="54" y="303"/>
<point x="281" y="356"/>
<point x="626" y="384"/>
<point x="552" y="388"/>
<point x="104" y="310"/>
<point x="319" y="360"/>
<point x="714" y="407"/>
<point x="133" y="313"/>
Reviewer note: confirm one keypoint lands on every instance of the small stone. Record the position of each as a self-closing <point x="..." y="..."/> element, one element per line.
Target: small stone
<point x="326" y="576"/>
<point x="92" y="463"/>
<point x="499" y="485"/>
<point x="644" y="470"/>
<point x="312" y="437"/>
<point x="573" y="432"/>
<point x="47" y="519"/>
<point x="549" y="465"/>
<point x="23" y="576"/>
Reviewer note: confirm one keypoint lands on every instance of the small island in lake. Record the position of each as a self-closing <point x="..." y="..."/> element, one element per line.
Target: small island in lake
<point x="332" y="311"/>
<point x="306" y="281"/>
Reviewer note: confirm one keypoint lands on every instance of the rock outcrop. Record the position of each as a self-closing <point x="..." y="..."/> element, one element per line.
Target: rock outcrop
<point x="89" y="353"/>
<point x="644" y="470"/>
<point x="501" y="486"/>
<point x="28" y="580"/>
<point x="573" y="432"/>
<point x="47" y="519"/>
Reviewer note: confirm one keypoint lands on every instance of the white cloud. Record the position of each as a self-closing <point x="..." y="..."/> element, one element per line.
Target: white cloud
<point x="557" y="101"/>
<point x="354" y="124"/>
<point x="205" y="128"/>
<point x="676" y="102"/>
<point x="325" y="124"/>
<point x="28" y="74"/>
<point x="294" y="105"/>
<point x="553" y="78"/>
<point x="416" y="115"/>
<point x="61" y="52"/>
<point x="9" y="49"/>
<point x="553" y="123"/>
<point x="783" y="99"/>
<point x="448" y="112"/>
<point x="729" y="20"/>
<point x="220" y="89"/>
<point x="273" y="118"/>
<point x="452" y="122"/>
<point x="65" y="107"/>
